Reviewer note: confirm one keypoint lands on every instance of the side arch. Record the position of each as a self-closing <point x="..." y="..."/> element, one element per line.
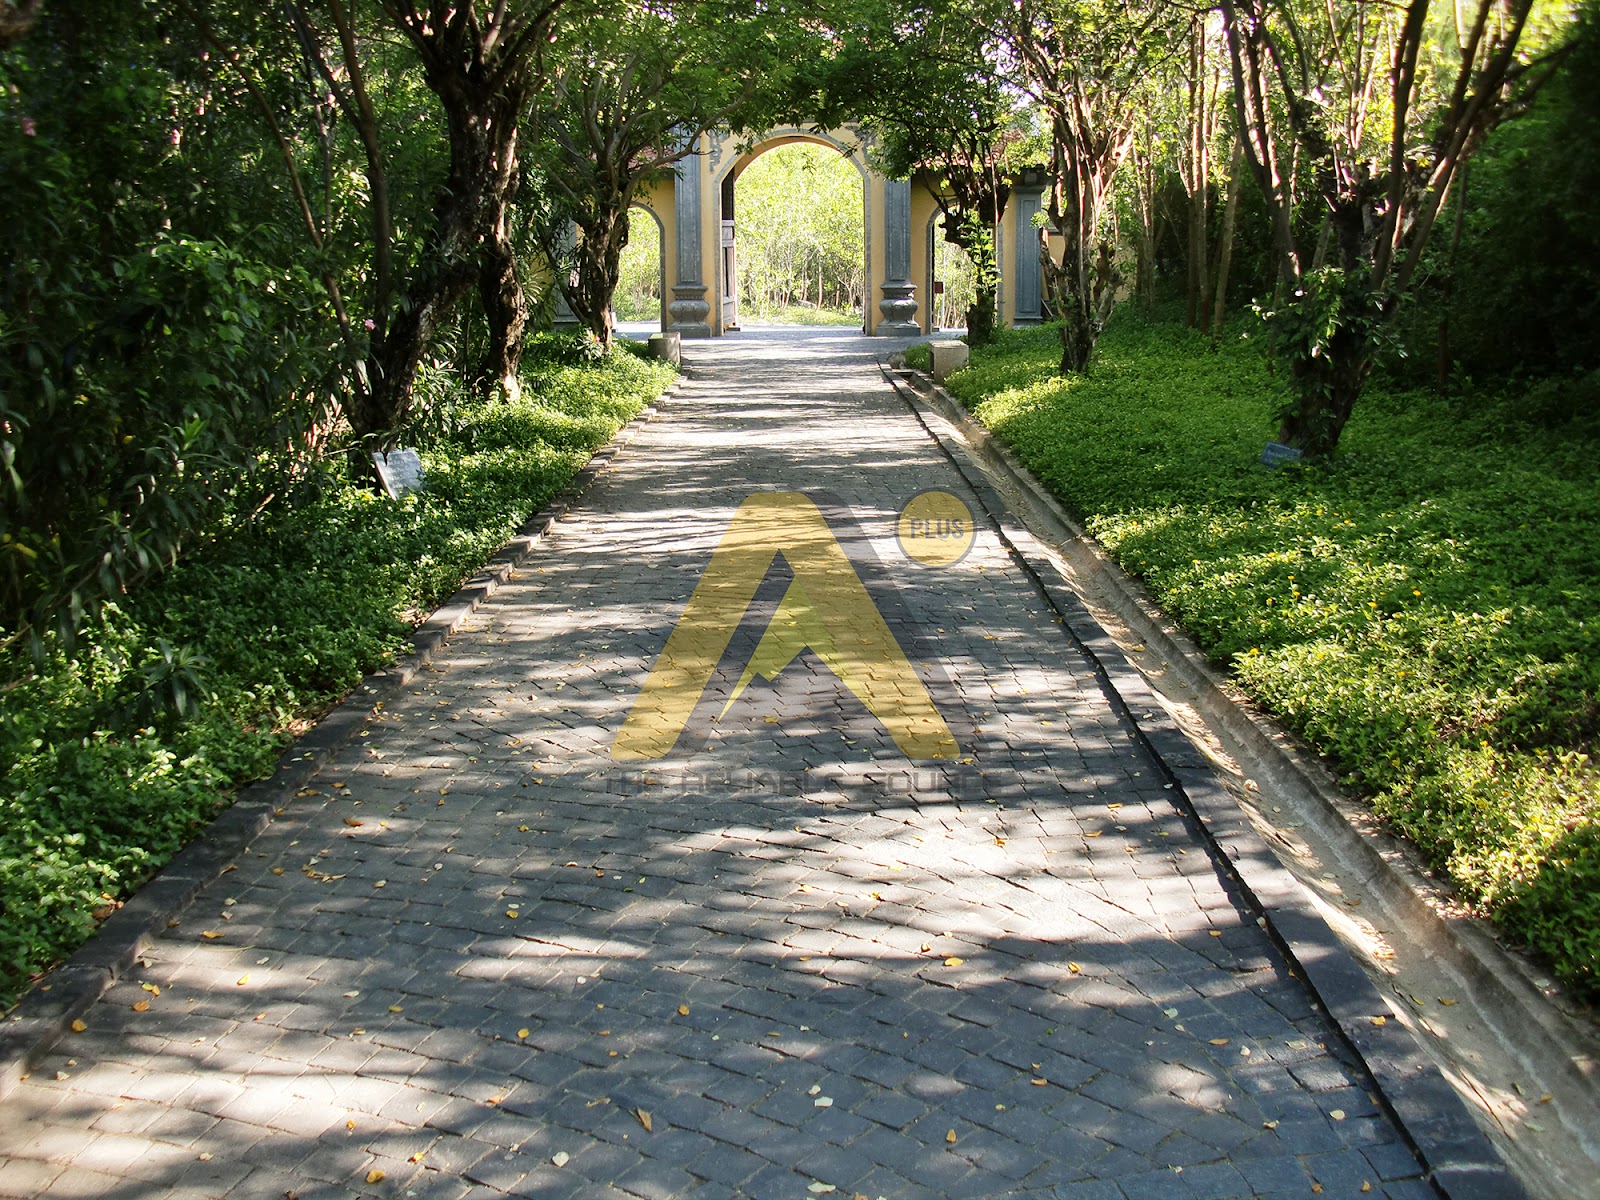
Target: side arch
<point x="656" y="227"/>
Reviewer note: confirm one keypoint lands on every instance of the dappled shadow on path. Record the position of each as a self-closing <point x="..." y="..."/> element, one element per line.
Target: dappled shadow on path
<point x="479" y="951"/>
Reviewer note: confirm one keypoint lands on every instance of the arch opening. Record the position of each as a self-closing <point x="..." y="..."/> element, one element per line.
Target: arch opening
<point x="793" y="221"/>
<point x="640" y="297"/>
<point x="954" y="284"/>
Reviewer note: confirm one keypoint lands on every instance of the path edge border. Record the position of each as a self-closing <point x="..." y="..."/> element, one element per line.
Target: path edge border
<point x="1461" y="1162"/>
<point x="45" y="1012"/>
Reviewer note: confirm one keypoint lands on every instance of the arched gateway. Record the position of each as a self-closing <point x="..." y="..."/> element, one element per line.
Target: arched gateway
<point x="699" y="243"/>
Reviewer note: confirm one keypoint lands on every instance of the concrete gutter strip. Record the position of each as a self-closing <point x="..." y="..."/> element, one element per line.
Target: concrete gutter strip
<point x="46" y="1012"/>
<point x="1461" y="1160"/>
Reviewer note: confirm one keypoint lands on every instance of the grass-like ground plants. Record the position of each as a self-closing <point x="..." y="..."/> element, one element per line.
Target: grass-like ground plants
<point x="1421" y="609"/>
<point x="119" y="749"/>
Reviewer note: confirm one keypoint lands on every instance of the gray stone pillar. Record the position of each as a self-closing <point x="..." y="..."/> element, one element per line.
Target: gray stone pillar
<point x="899" y="303"/>
<point x="564" y="319"/>
<point x="1025" y="205"/>
<point x="688" y="308"/>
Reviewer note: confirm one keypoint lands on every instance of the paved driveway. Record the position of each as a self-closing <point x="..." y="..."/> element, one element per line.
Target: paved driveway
<point x="879" y="899"/>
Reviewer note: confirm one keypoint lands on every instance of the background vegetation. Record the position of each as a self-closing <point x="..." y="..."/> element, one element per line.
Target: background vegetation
<point x="801" y="246"/>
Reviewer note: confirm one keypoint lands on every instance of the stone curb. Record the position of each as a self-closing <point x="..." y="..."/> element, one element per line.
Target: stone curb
<point x="1461" y="1161"/>
<point x="46" y="1012"/>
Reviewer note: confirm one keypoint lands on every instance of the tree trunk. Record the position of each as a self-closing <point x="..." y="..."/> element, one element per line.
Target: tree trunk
<point x="1326" y="387"/>
<point x="505" y="306"/>
<point x="599" y="265"/>
<point x="1230" y="219"/>
<point x="972" y="231"/>
<point x="466" y="245"/>
<point x="1197" y="298"/>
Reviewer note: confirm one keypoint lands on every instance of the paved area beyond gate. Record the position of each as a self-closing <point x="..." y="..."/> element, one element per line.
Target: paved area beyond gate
<point x="877" y="898"/>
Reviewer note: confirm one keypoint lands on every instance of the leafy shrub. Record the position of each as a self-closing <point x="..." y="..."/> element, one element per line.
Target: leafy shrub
<point x="1420" y="609"/>
<point x="267" y="624"/>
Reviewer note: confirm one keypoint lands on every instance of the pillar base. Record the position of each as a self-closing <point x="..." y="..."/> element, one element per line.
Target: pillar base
<point x="689" y="310"/>
<point x="899" y="309"/>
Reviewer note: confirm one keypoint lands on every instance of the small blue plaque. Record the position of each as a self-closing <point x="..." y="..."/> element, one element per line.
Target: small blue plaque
<point x="1276" y="454"/>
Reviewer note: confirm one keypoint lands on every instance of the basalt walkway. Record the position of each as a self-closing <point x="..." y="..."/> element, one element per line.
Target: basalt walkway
<point x="485" y="956"/>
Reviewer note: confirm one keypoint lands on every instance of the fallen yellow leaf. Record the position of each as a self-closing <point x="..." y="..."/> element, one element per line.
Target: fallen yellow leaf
<point x="953" y="961"/>
<point x="354" y="823"/>
<point x="210" y="934"/>
<point x="950" y="1137"/>
<point x="374" y="1176"/>
<point x="644" y="1119"/>
<point x="1074" y="968"/>
<point x="1446" y="1001"/>
<point x="241" y="981"/>
<point x="522" y="1033"/>
<point x="78" y="1026"/>
<point x="683" y="1010"/>
<point x="141" y="1006"/>
<point x="153" y="988"/>
<point x="396" y="1008"/>
<point x="1219" y="1041"/>
<point x="1380" y="1020"/>
<point x="1039" y="1081"/>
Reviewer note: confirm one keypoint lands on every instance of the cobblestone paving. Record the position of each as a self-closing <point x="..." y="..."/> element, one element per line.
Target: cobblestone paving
<point x="484" y="958"/>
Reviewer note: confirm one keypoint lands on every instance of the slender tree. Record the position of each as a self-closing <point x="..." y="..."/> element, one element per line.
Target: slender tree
<point x="1085" y="62"/>
<point x="484" y="63"/>
<point x="1384" y="104"/>
<point x="919" y="78"/>
<point x="956" y="137"/>
<point x="631" y="94"/>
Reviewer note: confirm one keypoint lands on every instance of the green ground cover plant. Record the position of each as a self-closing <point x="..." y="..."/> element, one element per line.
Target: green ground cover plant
<point x="1421" y="609"/>
<point x="120" y="749"/>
